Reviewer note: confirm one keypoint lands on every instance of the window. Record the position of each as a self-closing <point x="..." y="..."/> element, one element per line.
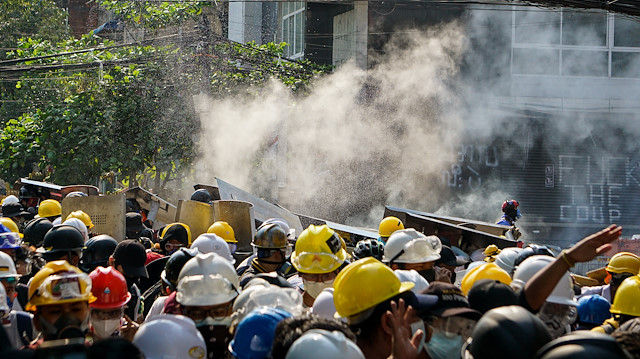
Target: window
<point x="293" y="28"/>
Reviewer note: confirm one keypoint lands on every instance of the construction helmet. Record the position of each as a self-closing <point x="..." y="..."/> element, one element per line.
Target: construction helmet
<point x="81" y="216"/>
<point x="173" y="266"/>
<point x="96" y="252"/>
<point x="322" y="344"/>
<point x="63" y="238"/>
<point x="49" y="208"/>
<point x="532" y="250"/>
<point x="411" y="246"/>
<point x="201" y="195"/>
<point x="368" y="248"/>
<point x="79" y="225"/>
<point x="624" y="262"/>
<point x="491" y="250"/>
<point x="10" y="199"/>
<point x="211" y="243"/>
<point x="318" y="250"/>
<point x="59" y="282"/>
<point x="254" y="335"/>
<point x="267" y="295"/>
<point x="7" y="268"/>
<point x="204" y="290"/>
<point x="364" y="284"/>
<point x="283" y="224"/>
<point x="389" y="225"/>
<point x="11" y="225"/>
<point x="169" y="336"/>
<point x="484" y="271"/>
<point x="35" y="230"/>
<point x="210" y="263"/>
<point x="563" y="291"/>
<point x="178" y="231"/>
<point x="627" y="299"/>
<point x="109" y="287"/>
<point x="507" y="257"/>
<point x="224" y="230"/>
<point x="269" y="236"/>
<point x="4" y="305"/>
<point x="8" y="238"/>
<point x="510" y="203"/>
<point x="583" y="344"/>
<point x="76" y="194"/>
<point x="593" y="309"/>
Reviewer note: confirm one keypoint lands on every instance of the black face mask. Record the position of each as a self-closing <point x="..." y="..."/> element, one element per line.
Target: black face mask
<point x="65" y="327"/>
<point x="453" y="277"/>
<point x="428" y="274"/>
<point x="217" y="338"/>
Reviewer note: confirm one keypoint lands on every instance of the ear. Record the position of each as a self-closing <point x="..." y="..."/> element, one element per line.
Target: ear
<point x="385" y="324"/>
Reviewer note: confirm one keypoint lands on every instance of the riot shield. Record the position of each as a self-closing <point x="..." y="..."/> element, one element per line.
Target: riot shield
<point x="239" y="215"/>
<point x="107" y="213"/>
<point x="197" y="215"/>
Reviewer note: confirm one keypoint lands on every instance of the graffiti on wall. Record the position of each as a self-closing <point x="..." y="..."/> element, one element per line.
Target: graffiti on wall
<point x="465" y="173"/>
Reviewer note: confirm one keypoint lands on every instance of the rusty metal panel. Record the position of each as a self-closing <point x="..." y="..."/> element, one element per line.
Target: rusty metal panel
<point x="161" y="212"/>
<point x="197" y="215"/>
<point x="240" y="216"/>
<point x="107" y="213"/>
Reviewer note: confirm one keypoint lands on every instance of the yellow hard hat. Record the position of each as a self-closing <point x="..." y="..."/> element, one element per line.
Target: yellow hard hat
<point x="484" y="271"/>
<point x="81" y="216"/>
<point x="389" y="225"/>
<point x="624" y="262"/>
<point x="49" y="208"/>
<point x="491" y="250"/>
<point x="364" y="284"/>
<point x="59" y="282"/>
<point x="9" y="223"/>
<point x="318" y="250"/>
<point x="627" y="299"/>
<point x="224" y="231"/>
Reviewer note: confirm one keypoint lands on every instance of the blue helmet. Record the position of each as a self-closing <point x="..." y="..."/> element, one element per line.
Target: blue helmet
<point x="255" y="333"/>
<point x="593" y="309"/>
<point x="9" y="239"/>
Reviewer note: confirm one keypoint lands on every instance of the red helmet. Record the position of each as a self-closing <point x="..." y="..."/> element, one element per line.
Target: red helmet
<point x="510" y="203"/>
<point x="110" y="287"/>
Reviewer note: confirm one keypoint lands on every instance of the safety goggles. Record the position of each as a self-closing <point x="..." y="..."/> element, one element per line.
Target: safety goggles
<point x="459" y="326"/>
<point x="419" y="250"/>
<point x="9" y="240"/>
<point x="308" y="261"/>
<point x="68" y="286"/>
<point x="9" y="280"/>
<point x="217" y="312"/>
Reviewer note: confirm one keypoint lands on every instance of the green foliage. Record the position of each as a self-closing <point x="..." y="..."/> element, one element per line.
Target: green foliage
<point x="154" y="14"/>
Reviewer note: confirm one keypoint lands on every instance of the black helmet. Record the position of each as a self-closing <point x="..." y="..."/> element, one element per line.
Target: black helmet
<point x="532" y="250"/>
<point x="62" y="239"/>
<point x="175" y="263"/>
<point x="368" y="248"/>
<point x="583" y="344"/>
<point x="132" y="205"/>
<point x="507" y="332"/>
<point x="201" y="195"/>
<point x="35" y="231"/>
<point x="96" y="252"/>
<point x="271" y="236"/>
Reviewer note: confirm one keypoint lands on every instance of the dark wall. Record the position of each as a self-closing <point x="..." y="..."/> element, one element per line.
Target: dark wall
<point x="319" y="36"/>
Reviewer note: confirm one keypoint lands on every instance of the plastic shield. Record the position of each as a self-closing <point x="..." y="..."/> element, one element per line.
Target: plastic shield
<point x="107" y="213"/>
<point x="240" y="217"/>
<point x="197" y="215"/>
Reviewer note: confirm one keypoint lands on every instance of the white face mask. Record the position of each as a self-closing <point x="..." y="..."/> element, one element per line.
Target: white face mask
<point x="315" y="288"/>
<point x="104" y="328"/>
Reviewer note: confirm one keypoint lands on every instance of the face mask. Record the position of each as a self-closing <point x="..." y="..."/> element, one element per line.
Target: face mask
<point x="453" y="277"/>
<point x="414" y="328"/>
<point x="217" y="338"/>
<point x="315" y="288"/>
<point x="557" y="318"/>
<point x="67" y="326"/>
<point x="428" y="274"/>
<point x="444" y="346"/>
<point x="104" y="328"/>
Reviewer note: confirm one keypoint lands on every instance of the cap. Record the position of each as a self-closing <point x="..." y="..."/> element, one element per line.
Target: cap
<point x="13" y="210"/>
<point x="131" y="255"/>
<point x="448" y="257"/>
<point x="134" y="222"/>
<point x="487" y="294"/>
<point x="176" y="231"/>
<point x="451" y="301"/>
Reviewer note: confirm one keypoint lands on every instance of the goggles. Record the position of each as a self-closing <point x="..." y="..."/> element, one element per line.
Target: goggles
<point x="65" y="287"/>
<point x="217" y="313"/>
<point x="308" y="261"/>
<point x="458" y="326"/>
<point x="419" y="250"/>
<point x="9" y="280"/>
<point x="9" y="240"/>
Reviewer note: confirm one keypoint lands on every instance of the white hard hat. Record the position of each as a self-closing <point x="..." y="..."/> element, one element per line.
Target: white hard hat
<point x="203" y="290"/>
<point x="170" y="336"/>
<point x="562" y="293"/>
<point x="79" y="225"/>
<point x="210" y="263"/>
<point x="283" y="224"/>
<point x="7" y="268"/>
<point x="212" y="243"/>
<point x="4" y="306"/>
<point x="324" y="305"/>
<point x="412" y="276"/>
<point x="411" y="246"/>
<point x="322" y="344"/>
<point x="10" y="199"/>
<point x="507" y="257"/>
<point x="272" y="296"/>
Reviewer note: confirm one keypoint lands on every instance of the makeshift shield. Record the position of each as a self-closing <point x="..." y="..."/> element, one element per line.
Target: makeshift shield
<point x="107" y="213"/>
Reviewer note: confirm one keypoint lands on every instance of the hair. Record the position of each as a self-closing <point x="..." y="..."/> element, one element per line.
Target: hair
<point x="114" y="348"/>
<point x="290" y="329"/>
<point x="629" y="341"/>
